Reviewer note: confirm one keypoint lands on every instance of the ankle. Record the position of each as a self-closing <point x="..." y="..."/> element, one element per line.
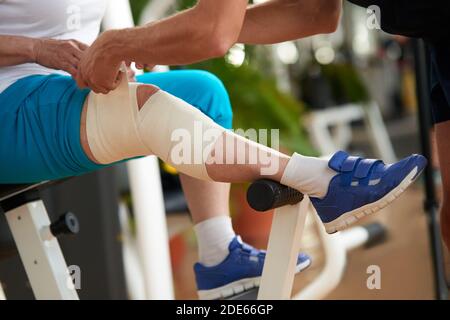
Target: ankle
<point x="309" y="175"/>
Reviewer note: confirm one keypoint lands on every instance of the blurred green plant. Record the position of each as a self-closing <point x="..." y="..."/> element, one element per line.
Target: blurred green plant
<point x="345" y="82"/>
<point x="137" y="6"/>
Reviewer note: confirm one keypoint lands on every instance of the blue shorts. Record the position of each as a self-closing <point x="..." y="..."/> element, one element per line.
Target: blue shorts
<point x="40" y="121"/>
<point x="440" y="81"/>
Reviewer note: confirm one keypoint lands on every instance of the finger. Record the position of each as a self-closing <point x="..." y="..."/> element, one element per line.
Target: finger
<point x="72" y="71"/>
<point x="80" y="81"/>
<point x="101" y="90"/>
<point x="73" y="61"/>
<point x="66" y="66"/>
<point x="97" y="88"/>
<point x="77" y="53"/>
<point x="80" y="45"/>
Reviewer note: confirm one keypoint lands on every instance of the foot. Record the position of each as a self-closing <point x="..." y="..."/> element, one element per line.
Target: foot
<point x="362" y="187"/>
<point x="240" y="271"/>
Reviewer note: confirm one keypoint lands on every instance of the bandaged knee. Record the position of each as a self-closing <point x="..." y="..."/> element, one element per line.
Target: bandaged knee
<point x="165" y="126"/>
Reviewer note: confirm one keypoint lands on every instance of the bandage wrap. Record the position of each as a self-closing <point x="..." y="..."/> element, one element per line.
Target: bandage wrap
<point x="117" y="129"/>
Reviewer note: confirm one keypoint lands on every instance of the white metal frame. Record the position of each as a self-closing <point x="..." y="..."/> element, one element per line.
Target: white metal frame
<point x="284" y="245"/>
<point x="335" y="246"/>
<point x="318" y="123"/>
<point x="40" y="252"/>
<point x="282" y="251"/>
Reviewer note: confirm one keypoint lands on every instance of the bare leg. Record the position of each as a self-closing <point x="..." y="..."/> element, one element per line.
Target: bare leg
<point x="205" y="199"/>
<point x="220" y="168"/>
<point x="443" y="144"/>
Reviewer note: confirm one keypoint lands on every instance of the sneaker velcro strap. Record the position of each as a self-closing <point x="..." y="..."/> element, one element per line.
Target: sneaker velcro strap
<point x="364" y="166"/>
<point x="350" y="164"/>
<point x="343" y="162"/>
<point x="337" y="160"/>
<point x="250" y="250"/>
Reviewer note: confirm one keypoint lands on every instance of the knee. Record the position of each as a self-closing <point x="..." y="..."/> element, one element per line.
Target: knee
<point x="144" y="92"/>
<point x="214" y="99"/>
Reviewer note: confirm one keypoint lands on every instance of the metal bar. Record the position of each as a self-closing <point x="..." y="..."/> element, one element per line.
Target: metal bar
<point x="282" y="252"/>
<point x="431" y="203"/>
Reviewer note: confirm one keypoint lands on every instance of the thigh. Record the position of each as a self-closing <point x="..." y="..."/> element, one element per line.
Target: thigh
<point x="200" y="89"/>
<point x="40" y="132"/>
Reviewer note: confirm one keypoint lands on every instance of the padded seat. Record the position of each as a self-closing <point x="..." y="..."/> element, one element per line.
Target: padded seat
<point x="10" y="190"/>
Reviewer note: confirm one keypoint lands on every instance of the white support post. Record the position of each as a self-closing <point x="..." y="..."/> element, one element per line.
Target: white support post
<point x="378" y="133"/>
<point x="152" y="234"/>
<point x="41" y="255"/>
<point x="2" y="293"/>
<point x="282" y="252"/>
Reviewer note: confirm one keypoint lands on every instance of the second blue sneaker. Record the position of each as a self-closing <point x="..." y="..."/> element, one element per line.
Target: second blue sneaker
<point x="362" y="187"/>
<point x="240" y="271"/>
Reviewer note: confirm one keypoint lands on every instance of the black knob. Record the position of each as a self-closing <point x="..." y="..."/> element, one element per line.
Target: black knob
<point x="66" y="224"/>
<point x="377" y="234"/>
<point x="264" y="194"/>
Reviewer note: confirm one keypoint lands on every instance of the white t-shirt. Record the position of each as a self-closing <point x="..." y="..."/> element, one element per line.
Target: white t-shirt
<point x="57" y="19"/>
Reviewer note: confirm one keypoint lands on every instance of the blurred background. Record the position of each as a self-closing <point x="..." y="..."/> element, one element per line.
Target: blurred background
<point x="354" y="90"/>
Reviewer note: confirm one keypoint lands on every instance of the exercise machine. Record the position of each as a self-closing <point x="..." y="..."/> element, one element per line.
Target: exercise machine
<point x="35" y="238"/>
<point x="289" y="220"/>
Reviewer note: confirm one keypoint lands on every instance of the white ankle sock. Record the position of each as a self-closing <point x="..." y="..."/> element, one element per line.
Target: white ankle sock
<point x="308" y="175"/>
<point x="214" y="236"/>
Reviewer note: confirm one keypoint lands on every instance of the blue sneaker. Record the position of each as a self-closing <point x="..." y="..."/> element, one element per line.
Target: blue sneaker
<point x="362" y="187"/>
<point x="240" y="271"/>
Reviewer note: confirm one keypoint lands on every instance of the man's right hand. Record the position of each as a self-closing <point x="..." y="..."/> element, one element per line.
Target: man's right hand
<point x="58" y="54"/>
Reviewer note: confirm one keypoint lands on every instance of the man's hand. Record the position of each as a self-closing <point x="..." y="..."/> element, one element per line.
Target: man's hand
<point x="98" y="68"/>
<point x="58" y="54"/>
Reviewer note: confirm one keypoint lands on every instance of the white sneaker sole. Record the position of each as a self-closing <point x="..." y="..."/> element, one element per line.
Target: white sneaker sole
<point x="351" y="217"/>
<point x="239" y="286"/>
